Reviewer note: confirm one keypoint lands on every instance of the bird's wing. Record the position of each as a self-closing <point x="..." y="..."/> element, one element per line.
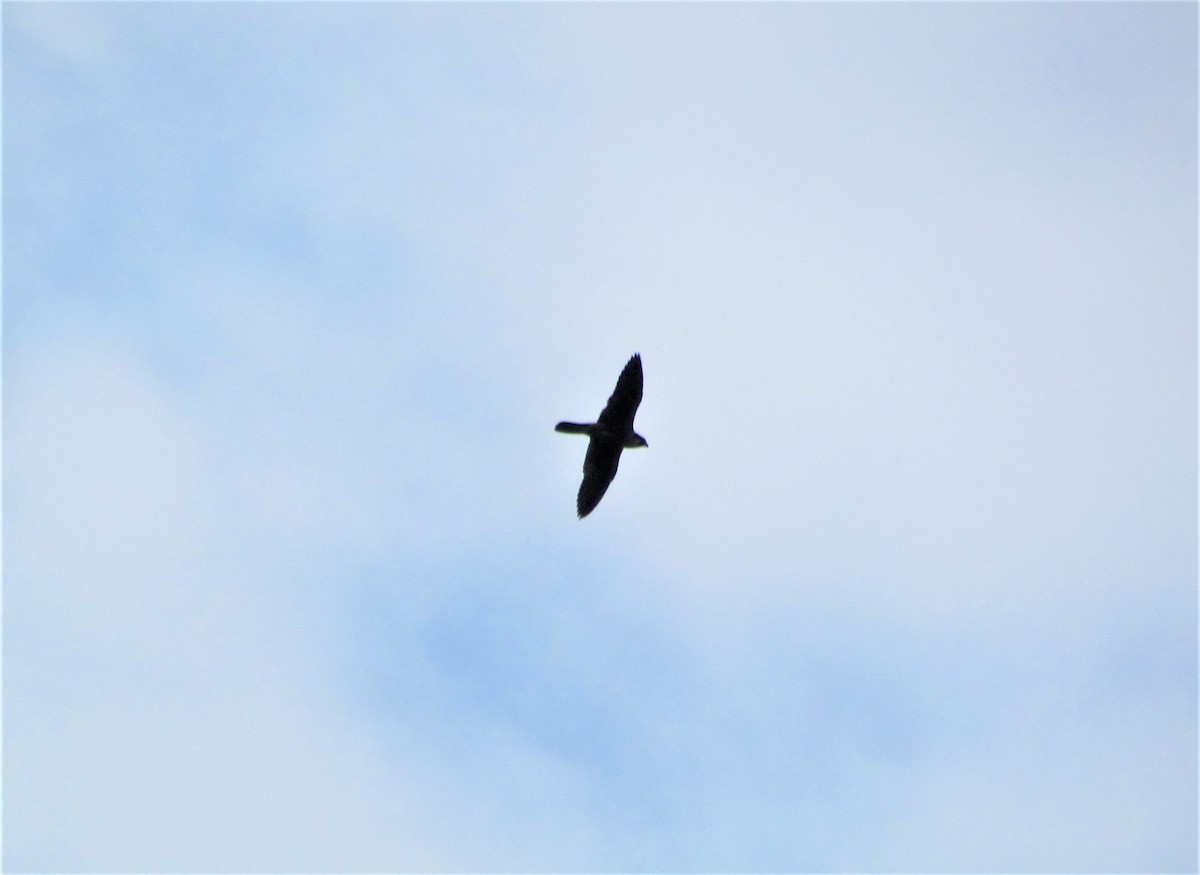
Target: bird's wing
<point x="623" y="403"/>
<point x="599" y="469"/>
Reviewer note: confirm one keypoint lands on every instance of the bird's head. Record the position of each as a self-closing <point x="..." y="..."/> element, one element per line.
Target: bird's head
<point x="636" y="441"/>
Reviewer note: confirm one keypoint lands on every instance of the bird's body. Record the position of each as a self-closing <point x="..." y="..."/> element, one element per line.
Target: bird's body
<point x="608" y="436"/>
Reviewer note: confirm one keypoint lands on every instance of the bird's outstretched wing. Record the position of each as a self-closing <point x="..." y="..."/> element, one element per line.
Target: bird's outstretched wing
<point x="623" y="403"/>
<point x="599" y="469"/>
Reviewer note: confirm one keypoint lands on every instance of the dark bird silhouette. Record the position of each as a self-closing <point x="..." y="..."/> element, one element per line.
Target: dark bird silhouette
<point x="612" y="433"/>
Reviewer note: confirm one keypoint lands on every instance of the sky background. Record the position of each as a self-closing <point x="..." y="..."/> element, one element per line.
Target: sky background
<point x="295" y="293"/>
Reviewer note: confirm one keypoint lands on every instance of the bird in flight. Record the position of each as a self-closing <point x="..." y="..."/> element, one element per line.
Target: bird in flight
<point x="612" y="433"/>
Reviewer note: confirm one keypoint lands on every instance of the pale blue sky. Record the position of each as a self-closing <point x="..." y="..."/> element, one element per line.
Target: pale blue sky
<point x="294" y="295"/>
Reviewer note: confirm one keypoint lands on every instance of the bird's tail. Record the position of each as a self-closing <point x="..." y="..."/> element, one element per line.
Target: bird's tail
<point x="574" y="428"/>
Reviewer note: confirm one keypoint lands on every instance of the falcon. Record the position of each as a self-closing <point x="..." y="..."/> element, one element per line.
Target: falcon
<point x="609" y="435"/>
